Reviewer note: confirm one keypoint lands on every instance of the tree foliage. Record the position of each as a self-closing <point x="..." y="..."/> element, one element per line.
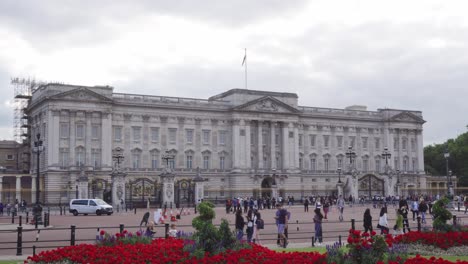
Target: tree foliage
<point x="435" y="163"/>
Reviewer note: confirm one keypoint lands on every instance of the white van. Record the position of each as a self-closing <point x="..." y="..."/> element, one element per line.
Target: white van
<point x="90" y="206"/>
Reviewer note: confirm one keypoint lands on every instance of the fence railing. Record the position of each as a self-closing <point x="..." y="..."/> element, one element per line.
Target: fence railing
<point x="298" y="231"/>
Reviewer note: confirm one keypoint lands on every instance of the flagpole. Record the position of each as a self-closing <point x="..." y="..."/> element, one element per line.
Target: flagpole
<point x="245" y="68"/>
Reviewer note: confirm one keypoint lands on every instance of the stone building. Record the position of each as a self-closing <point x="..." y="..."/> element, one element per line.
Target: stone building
<point x="244" y="142"/>
<point x="15" y="181"/>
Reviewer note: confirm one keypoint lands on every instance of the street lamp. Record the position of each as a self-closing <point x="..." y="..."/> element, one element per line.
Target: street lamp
<point x="447" y="156"/>
<point x="118" y="157"/>
<point x="339" y="175"/>
<point x="38" y="148"/>
<point x="386" y="155"/>
<point x="167" y="156"/>
<point x="351" y="154"/>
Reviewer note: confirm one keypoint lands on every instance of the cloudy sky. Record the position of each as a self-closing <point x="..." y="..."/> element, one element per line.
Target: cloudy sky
<point x="395" y="54"/>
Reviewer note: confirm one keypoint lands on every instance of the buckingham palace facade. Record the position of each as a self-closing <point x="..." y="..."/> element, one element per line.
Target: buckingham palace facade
<point x="241" y="142"/>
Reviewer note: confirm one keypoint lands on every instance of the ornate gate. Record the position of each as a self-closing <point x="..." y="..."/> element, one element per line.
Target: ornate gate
<point x="184" y="193"/>
<point x="141" y="190"/>
<point x="370" y="185"/>
<point x="100" y="189"/>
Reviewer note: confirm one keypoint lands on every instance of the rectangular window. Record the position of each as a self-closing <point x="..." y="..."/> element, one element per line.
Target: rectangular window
<point x="339" y="141"/>
<point x="155" y="134"/>
<point x="189" y="136"/>
<point x="395" y="144"/>
<point x="222" y="161"/>
<point x="313" y="164"/>
<point x="136" y="160"/>
<point x="277" y="141"/>
<point x="300" y="140"/>
<point x="189" y="161"/>
<point x="206" y="137"/>
<point x="364" y="142"/>
<point x="206" y="162"/>
<point x="172" y="135"/>
<point x="63" y="159"/>
<point x="118" y="133"/>
<point x="352" y="141"/>
<point x="278" y="161"/>
<point x="312" y="140"/>
<point x="222" y="137"/>
<point x="396" y="165"/>
<point x="96" y="158"/>
<point x="377" y="165"/>
<point x="326" y="163"/>
<point x="64" y="130"/>
<point x="340" y="163"/>
<point x="171" y="163"/>
<point x="9" y="156"/>
<point x="252" y="139"/>
<point x="95" y="132"/>
<point x="264" y="138"/>
<point x="136" y="134"/>
<point x="365" y="165"/>
<point x="377" y="143"/>
<point x="326" y="139"/>
<point x="80" y="157"/>
<point x="300" y="163"/>
<point x="413" y="144"/>
<point x="404" y="143"/>
<point x="154" y="160"/>
<point x="414" y="165"/>
<point x="405" y="165"/>
<point x="80" y="131"/>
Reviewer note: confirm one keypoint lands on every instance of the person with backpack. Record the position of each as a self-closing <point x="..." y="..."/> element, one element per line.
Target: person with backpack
<point x="415" y="209"/>
<point x="259" y="224"/>
<point x="250" y="225"/>
<point x="282" y="224"/>
<point x="422" y="209"/>
<point x="240" y="223"/>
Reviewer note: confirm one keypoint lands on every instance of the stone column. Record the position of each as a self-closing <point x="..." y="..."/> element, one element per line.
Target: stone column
<point x="167" y="178"/>
<point x="199" y="187"/>
<point x="260" y="145"/>
<point x="106" y="140"/>
<point x="52" y="138"/>
<point x="236" y="144"/>
<point x="83" y="185"/>
<point x="295" y="147"/>
<point x="285" y="145"/>
<point x="18" y="188"/>
<point x="246" y="150"/>
<point x="118" y="188"/>
<point x="33" y="189"/>
<point x="273" y="144"/>
<point x="420" y="150"/>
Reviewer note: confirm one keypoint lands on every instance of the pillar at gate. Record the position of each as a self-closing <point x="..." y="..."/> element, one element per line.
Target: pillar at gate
<point x="18" y="188"/>
<point x="118" y="188"/>
<point x="199" y="187"/>
<point x="82" y="183"/>
<point x="167" y="179"/>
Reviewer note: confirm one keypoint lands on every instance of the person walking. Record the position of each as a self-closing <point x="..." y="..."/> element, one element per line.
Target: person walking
<point x="282" y="222"/>
<point x="404" y="214"/>
<point x="383" y="221"/>
<point x="415" y="209"/>
<point x="466" y="203"/>
<point x="398" y="227"/>
<point x="239" y="225"/>
<point x="326" y="207"/>
<point x="258" y="225"/>
<point x="250" y="225"/>
<point x="306" y="204"/>
<point x="367" y="221"/>
<point x="340" y="204"/>
<point x="422" y="209"/>
<point x="318" y="226"/>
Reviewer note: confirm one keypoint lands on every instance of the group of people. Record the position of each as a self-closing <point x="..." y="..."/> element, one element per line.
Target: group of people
<point x="254" y="223"/>
<point x="250" y="203"/>
<point x="13" y="208"/>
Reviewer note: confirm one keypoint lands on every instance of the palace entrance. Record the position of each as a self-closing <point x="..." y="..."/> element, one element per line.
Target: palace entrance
<point x="184" y="193"/>
<point x="267" y="187"/>
<point x="370" y="185"/>
<point x="140" y="190"/>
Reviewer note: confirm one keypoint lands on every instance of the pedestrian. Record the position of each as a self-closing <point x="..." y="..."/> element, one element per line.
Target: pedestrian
<point x="172" y="231"/>
<point x="282" y="223"/>
<point x="422" y="209"/>
<point x="8" y="208"/>
<point x="240" y="223"/>
<point x="250" y="225"/>
<point x="340" y="204"/>
<point x="306" y="204"/>
<point x="397" y="228"/>
<point x="326" y="207"/>
<point x="318" y="226"/>
<point x="466" y="202"/>
<point x="367" y="221"/>
<point x="150" y="229"/>
<point x="404" y="214"/>
<point x="415" y="209"/>
<point x="258" y="225"/>
<point x="1" y="208"/>
<point x="383" y="221"/>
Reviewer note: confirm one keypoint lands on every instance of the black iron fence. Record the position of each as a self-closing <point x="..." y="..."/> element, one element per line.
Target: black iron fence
<point x="298" y="231"/>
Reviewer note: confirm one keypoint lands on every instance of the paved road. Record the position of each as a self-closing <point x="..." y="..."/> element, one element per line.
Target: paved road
<point x="300" y="227"/>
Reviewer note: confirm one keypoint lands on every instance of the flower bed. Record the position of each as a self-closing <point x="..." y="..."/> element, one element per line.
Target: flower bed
<point x="443" y="240"/>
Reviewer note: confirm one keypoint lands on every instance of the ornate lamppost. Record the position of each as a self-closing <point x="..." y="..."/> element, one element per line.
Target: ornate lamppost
<point x="167" y="179"/>
<point x="386" y="155"/>
<point x="339" y="175"/>
<point x="447" y="156"/>
<point x="351" y="154"/>
<point x="398" y="182"/>
<point x="37" y="209"/>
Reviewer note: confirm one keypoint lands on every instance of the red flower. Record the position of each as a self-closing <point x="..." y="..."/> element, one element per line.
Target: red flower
<point x="102" y="232"/>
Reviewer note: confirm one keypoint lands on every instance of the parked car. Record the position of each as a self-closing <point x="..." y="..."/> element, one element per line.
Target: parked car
<point x="90" y="206"/>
